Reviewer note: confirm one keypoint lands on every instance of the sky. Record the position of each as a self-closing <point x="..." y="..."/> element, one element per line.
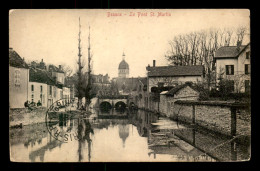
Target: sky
<point x="52" y="35"/>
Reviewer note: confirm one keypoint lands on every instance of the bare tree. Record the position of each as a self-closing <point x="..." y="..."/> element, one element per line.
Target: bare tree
<point x="240" y="31"/>
<point x="198" y="48"/>
<point x="67" y="70"/>
<point x="79" y="86"/>
<point x="88" y="92"/>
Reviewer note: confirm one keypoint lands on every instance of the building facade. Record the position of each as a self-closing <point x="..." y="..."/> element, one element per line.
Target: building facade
<point x="233" y="63"/>
<point x="66" y="94"/>
<point x="57" y="73"/>
<point x="180" y="92"/>
<point x="164" y="78"/>
<point x="35" y="83"/>
<point x="37" y="92"/>
<point x="140" y="96"/>
<point x="18" y="80"/>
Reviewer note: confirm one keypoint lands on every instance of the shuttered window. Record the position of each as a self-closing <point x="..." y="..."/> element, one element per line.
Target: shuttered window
<point x="50" y="92"/>
<point x="247" y="55"/>
<point x="247" y="68"/>
<point x="247" y="86"/>
<point x="17" y="77"/>
<point x="229" y="69"/>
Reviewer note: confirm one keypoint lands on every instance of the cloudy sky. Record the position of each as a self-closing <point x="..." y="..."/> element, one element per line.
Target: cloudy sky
<point x="52" y="35"/>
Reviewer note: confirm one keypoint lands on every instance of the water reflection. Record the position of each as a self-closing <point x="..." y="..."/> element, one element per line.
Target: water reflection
<point x="123" y="132"/>
<point x="118" y="136"/>
<point x="84" y="131"/>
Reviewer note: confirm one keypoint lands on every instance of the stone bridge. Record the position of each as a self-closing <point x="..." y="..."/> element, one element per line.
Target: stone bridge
<point x="112" y="102"/>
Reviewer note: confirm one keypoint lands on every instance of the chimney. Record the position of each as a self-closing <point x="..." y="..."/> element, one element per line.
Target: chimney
<point x="239" y="44"/>
<point x="60" y="67"/>
<point x="153" y="63"/>
<point x="42" y="60"/>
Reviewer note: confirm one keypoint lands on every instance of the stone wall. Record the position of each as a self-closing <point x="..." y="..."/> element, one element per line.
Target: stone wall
<point x="244" y="122"/>
<point x="216" y="118"/>
<point x="213" y="116"/>
<point x="182" y="113"/>
<point x="167" y="102"/>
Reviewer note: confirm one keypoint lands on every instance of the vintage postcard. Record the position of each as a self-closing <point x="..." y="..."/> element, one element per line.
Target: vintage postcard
<point x="129" y="85"/>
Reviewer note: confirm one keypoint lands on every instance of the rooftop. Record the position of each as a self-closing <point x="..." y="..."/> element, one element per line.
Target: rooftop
<point x="15" y="60"/>
<point x="55" y="69"/>
<point x="42" y="76"/>
<point x="229" y="51"/>
<point x="123" y="65"/>
<point x="173" y="71"/>
<point x="179" y="87"/>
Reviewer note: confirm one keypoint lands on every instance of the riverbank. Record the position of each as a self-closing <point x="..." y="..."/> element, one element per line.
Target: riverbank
<point x="227" y="119"/>
<point x="21" y="117"/>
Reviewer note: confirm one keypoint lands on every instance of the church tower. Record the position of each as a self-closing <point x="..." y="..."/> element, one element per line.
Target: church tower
<point x="123" y="69"/>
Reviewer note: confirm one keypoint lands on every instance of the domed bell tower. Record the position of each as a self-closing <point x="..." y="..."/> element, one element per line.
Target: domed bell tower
<point x="123" y="69"/>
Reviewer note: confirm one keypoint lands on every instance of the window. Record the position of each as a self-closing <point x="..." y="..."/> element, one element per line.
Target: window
<point x="247" y="68"/>
<point x="247" y="55"/>
<point x="41" y="88"/>
<point x="229" y="69"/>
<point x="247" y="86"/>
<point x="32" y="87"/>
<point x="17" y="77"/>
<point x="50" y="92"/>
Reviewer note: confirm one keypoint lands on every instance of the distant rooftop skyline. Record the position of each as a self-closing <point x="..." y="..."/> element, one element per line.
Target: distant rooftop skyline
<point x="52" y="35"/>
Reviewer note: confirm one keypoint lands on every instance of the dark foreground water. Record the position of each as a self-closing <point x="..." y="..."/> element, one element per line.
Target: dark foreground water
<point x="122" y="137"/>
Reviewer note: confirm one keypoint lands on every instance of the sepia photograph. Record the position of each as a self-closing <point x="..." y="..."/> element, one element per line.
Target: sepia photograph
<point x="129" y="85"/>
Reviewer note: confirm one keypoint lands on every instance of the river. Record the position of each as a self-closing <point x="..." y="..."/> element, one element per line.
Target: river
<point x="124" y="136"/>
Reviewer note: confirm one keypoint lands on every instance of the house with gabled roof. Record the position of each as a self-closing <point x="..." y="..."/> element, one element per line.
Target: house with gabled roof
<point x="57" y="73"/>
<point x="162" y="78"/>
<point x="18" y="80"/>
<point x="43" y="88"/>
<point x="47" y="84"/>
<point x="233" y="63"/>
<point x="180" y="92"/>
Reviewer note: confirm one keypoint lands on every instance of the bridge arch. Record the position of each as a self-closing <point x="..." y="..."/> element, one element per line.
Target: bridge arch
<point x="120" y="105"/>
<point x="105" y="105"/>
<point x="132" y="104"/>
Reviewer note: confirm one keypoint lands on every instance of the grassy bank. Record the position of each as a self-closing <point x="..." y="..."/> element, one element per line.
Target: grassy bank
<point x="26" y="117"/>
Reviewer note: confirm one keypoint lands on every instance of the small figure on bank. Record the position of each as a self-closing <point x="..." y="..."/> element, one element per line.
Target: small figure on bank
<point x="32" y="103"/>
<point x="39" y="103"/>
<point x="26" y="104"/>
